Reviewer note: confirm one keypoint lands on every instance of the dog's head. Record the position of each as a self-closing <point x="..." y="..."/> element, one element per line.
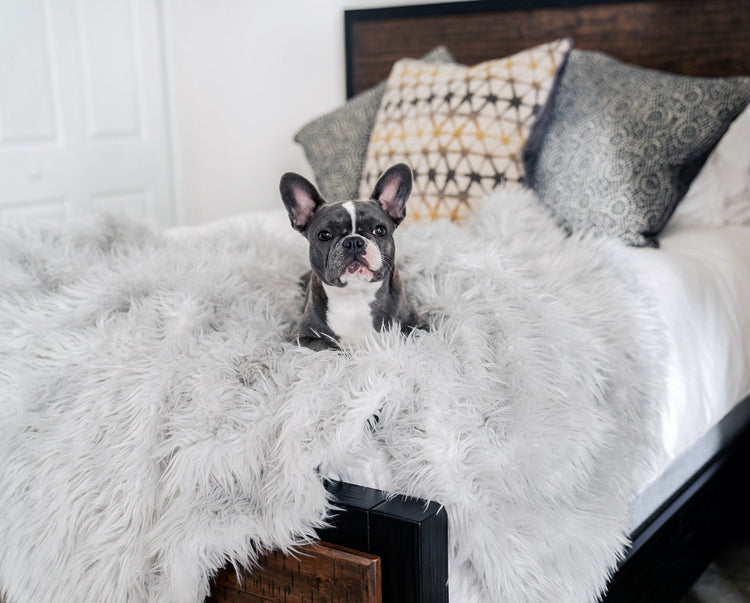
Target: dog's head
<point x="349" y="240"/>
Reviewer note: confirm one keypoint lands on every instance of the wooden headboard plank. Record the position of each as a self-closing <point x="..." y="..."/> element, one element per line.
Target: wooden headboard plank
<point x="693" y="37"/>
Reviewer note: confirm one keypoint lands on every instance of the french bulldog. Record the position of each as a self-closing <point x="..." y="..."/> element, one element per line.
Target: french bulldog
<point x="354" y="287"/>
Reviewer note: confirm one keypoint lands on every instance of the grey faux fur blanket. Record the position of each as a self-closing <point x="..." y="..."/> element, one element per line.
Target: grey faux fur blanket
<point x="155" y="423"/>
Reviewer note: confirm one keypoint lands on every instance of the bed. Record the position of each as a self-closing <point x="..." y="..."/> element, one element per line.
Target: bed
<point x="672" y="537"/>
<point x="680" y="519"/>
<point x="621" y="480"/>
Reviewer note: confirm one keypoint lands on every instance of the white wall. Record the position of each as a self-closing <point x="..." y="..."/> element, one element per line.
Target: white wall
<point x="244" y="75"/>
<point x="232" y="79"/>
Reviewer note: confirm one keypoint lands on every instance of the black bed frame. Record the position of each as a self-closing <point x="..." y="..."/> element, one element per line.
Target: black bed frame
<point x="674" y="545"/>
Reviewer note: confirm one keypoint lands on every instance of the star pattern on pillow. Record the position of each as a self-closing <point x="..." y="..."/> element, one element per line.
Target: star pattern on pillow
<point x="461" y="129"/>
<point x="335" y="144"/>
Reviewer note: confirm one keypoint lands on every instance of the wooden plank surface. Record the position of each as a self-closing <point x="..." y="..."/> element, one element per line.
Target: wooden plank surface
<point x="693" y="37"/>
<point x="315" y="573"/>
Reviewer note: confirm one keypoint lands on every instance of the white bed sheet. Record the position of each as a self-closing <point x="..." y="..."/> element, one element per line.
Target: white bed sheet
<point x="700" y="281"/>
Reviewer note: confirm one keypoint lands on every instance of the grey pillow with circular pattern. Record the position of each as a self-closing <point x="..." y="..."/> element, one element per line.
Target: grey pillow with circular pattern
<point x="335" y="144"/>
<point x="623" y="144"/>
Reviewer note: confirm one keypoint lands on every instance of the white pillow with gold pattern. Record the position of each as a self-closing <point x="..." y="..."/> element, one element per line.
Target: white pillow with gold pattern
<point x="461" y="129"/>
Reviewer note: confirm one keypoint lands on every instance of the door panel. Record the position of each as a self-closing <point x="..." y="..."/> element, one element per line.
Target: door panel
<point x="83" y="120"/>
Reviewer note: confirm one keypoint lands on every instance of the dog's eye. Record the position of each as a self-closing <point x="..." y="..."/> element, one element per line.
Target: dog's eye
<point x="379" y="230"/>
<point x="324" y="235"/>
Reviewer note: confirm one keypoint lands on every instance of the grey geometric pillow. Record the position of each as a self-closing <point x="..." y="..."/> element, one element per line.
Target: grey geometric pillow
<point x="335" y="144"/>
<point x="623" y="144"/>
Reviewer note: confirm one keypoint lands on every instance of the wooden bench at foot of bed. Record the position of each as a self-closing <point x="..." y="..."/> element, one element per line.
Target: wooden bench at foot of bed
<point x="404" y="540"/>
<point x="316" y="572"/>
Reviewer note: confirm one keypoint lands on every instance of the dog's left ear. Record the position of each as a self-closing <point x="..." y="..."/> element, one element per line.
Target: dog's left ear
<point x="301" y="199"/>
<point x="392" y="190"/>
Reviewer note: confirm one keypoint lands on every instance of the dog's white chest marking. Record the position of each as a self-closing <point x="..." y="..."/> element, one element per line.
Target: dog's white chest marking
<point x="349" y="312"/>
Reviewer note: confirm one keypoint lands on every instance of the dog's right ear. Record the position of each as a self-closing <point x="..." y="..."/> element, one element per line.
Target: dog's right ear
<point x="301" y="199"/>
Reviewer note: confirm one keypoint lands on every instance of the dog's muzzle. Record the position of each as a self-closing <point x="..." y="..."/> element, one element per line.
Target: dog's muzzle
<point x="361" y="259"/>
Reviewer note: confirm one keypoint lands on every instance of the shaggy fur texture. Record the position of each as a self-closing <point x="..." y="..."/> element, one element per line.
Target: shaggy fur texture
<point x="154" y="423"/>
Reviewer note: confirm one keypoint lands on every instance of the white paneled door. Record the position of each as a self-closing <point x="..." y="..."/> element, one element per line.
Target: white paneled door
<point x="83" y="117"/>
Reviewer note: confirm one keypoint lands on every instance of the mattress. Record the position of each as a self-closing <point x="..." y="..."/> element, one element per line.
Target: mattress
<point x="700" y="281"/>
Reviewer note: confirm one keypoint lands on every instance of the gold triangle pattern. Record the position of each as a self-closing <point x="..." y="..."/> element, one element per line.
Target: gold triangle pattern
<point x="461" y="129"/>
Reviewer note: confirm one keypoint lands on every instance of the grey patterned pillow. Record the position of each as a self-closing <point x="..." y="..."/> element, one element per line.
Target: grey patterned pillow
<point x="335" y="144"/>
<point x="623" y="144"/>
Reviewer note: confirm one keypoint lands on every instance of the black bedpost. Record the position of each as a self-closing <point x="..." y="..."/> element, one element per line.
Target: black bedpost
<point x="410" y="536"/>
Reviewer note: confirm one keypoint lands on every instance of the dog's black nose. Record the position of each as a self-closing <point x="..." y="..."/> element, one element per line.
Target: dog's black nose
<point x="353" y="242"/>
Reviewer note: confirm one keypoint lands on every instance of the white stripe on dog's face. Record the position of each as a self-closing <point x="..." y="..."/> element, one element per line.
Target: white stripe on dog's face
<point x="349" y="206"/>
<point x="372" y="255"/>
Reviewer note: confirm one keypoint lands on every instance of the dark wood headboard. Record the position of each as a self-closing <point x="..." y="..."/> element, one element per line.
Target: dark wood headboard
<point x="693" y="37"/>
